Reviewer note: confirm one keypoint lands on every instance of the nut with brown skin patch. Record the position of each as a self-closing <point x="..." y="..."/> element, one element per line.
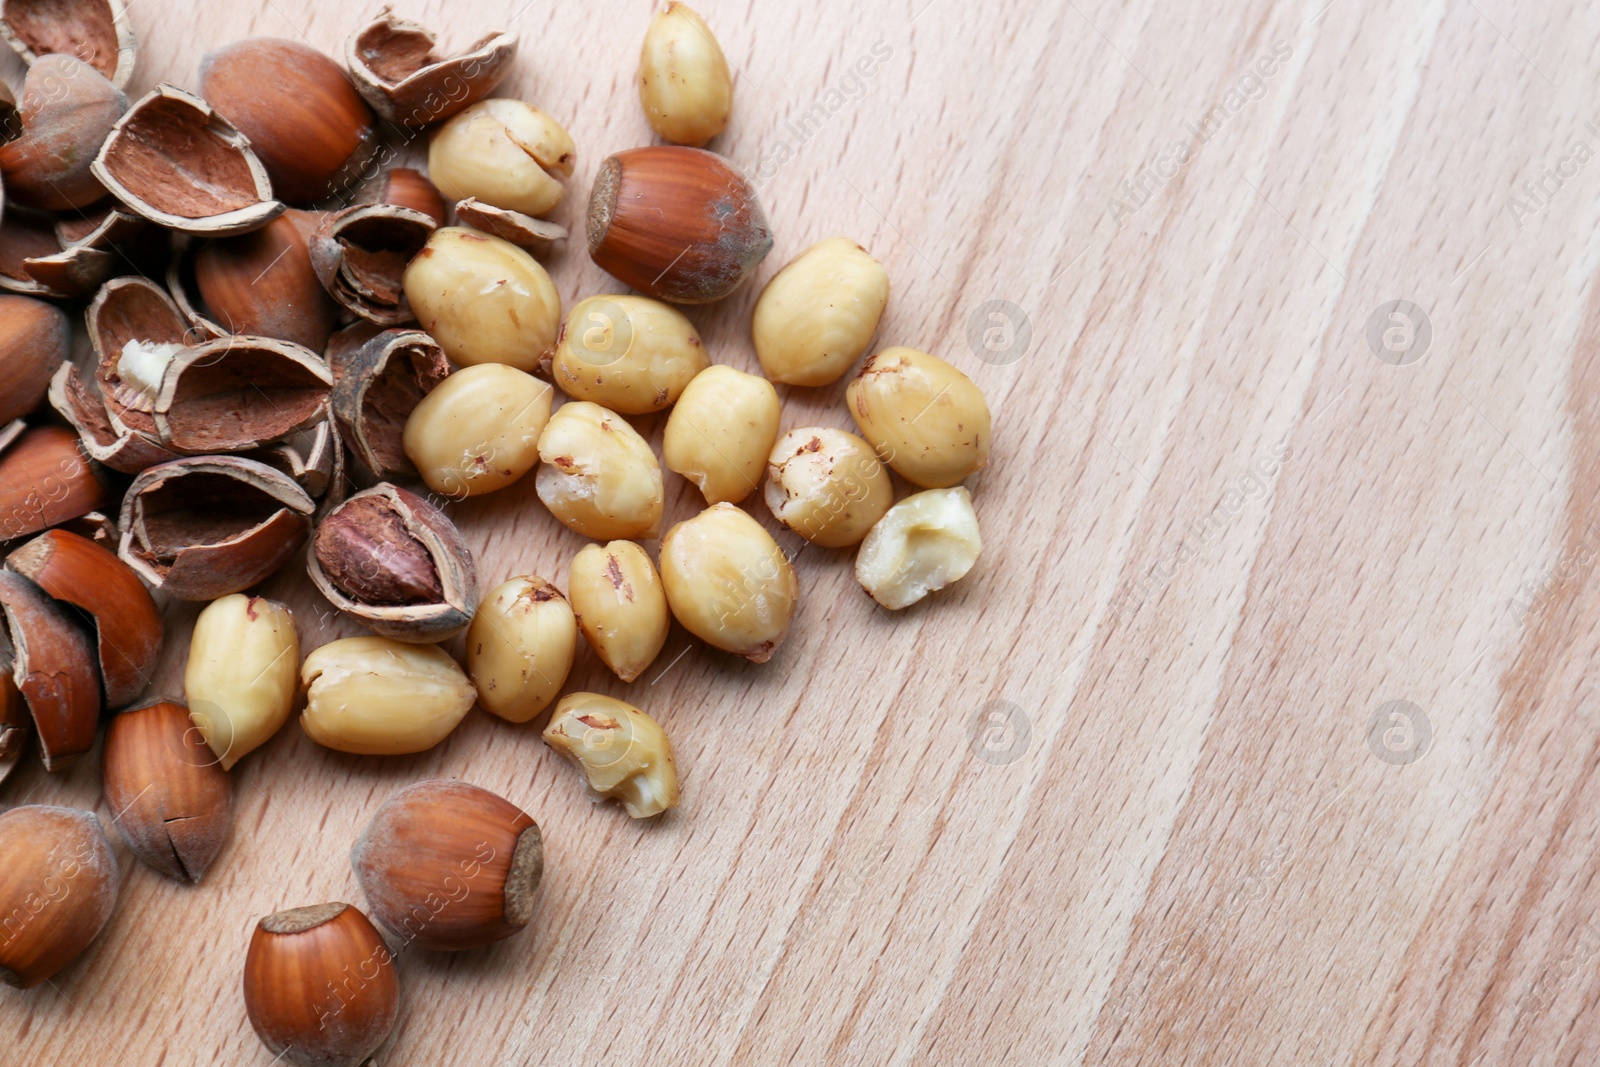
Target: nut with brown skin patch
<point x="68" y="109"/>
<point x="926" y="419"/>
<point x="97" y="31"/>
<point x="58" y="886"/>
<point x="826" y="485"/>
<point x="729" y="583"/>
<point x="397" y="70"/>
<point x="624" y="754"/>
<point x="616" y="594"/>
<point x="520" y="647"/>
<point x="240" y="678"/>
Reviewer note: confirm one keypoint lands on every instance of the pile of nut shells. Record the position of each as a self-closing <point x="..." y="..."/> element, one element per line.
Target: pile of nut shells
<point x="298" y="350"/>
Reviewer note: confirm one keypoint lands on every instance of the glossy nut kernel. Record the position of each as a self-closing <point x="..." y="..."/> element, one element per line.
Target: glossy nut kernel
<point x="924" y="543"/>
<point x="925" y="418"/>
<point x="729" y="583"/>
<point x="826" y="485"/>
<point x="631" y="354"/>
<point x="597" y="475"/>
<point x="520" y="647"/>
<point x="505" y="153"/>
<point x="624" y="754"/>
<point x="483" y="299"/>
<point x="378" y="697"/>
<point x="241" y="673"/>
<point x="818" y="314"/>
<point x="621" y="609"/>
<point x="684" y="84"/>
<point x="478" y="430"/>
<point x="721" y="431"/>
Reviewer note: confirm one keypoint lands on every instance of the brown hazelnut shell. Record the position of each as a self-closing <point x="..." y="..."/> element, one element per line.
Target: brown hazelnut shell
<point x="59" y="856"/>
<point x="54" y="668"/>
<point x="314" y="458"/>
<point x="360" y="255"/>
<point x="395" y="68"/>
<point x="33" y="263"/>
<point x="10" y="432"/>
<point x="524" y="231"/>
<point x="121" y="449"/>
<point x="404" y="187"/>
<point x="375" y="388"/>
<point x="261" y="283"/>
<point x="45" y="480"/>
<point x="68" y="109"/>
<point x="34" y="340"/>
<point x="96" y="31"/>
<point x="233" y="394"/>
<point x="15" y="726"/>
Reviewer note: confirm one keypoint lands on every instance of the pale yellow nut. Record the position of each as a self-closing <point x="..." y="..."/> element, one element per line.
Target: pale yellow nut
<point x="631" y="354"/>
<point x="620" y="605"/>
<point x="483" y="299"/>
<point x="377" y="697"/>
<point x="720" y="432"/>
<point x="925" y="418"/>
<point x="729" y="583"/>
<point x="924" y="543"/>
<point x="624" y="754"/>
<point x="520" y="647"/>
<point x="818" y="314"/>
<point x="239" y="682"/>
<point x="597" y="475"/>
<point x="826" y="485"/>
<point x="684" y="84"/>
<point x="506" y="153"/>
<point x="478" y="430"/>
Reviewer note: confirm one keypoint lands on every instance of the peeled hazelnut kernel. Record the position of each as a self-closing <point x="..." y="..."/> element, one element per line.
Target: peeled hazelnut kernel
<point x="505" y="153"/>
<point x="926" y="419"/>
<point x="520" y="647"/>
<point x="58" y="885"/>
<point x="631" y="354"/>
<point x="826" y="485"/>
<point x="684" y="84"/>
<point x="378" y="697"/>
<point x="818" y="314"/>
<point x="729" y="583"/>
<point x="924" y="543"/>
<point x="483" y="299"/>
<point x="720" y="432"/>
<point x="616" y="595"/>
<point x="624" y="754"/>
<point x="241" y="673"/>
<point x="449" y="866"/>
<point x="597" y="475"/>
<point x="478" y="430"/>
<point x="320" y="986"/>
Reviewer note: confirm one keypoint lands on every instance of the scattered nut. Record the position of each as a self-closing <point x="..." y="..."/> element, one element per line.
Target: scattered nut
<point x="34" y="339"/>
<point x="505" y="153"/>
<point x="720" y="432"/>
<point x="241" y="673"/>
<point x="96" y="31"/>
<point x="53" y="665"/>
<point x="395" y="67"/>
<point x="68" y="109"/>
<point x="826" y="485"/>
<point x="624" y="754"/>
<point x="483" y="299"/>
<point x="729" y="583"/>
<point x="478" y="430"/>
<point x="262" y="283"/>
<point x="520" y="647"/>
<point x="684" y="84"/>
<point x="818" y="314"/>
<point x="631" y="354"/>
<point x="44" y="481"/>
<point x="58" y="885"/>
<point x="924" y="543"/>
<point x="617" y="597"/>
<point x="598" y="476"/>
<point x="375" y="696"/>
<point x="926" y="419"/>
<point x="360" y="255"/>
<point x="376" y="387"/>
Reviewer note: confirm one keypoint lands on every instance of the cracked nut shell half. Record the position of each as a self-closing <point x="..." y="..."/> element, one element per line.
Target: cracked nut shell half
<point x="524" y="231"/>
<point x="376" y="386"/>
<point x="360" y="256"/>
<point x="235" y="393"/>
<point x="97" y="31"/>
<point x="397" y="71"/>
<point x="33" y="262"/>
<point x="53" y="666"/>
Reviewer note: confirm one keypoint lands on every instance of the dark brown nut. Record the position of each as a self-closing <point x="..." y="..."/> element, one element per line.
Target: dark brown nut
<point x="376" y="386"/>
<point x="14" y="726"/>
<point x="313" y="458"/>
<point x="96" y="31"/>
<point x="203" y="527"/>
<point x="32" y="261"/>
<point x="58" y="886"/>
<point x="261" y="283"/>
<point x="173" y="800"/>
<point x="306" y="122"/>
<point x="524" y="231"/>
<point x="236" y="393"/>
<point x="396" y="69"/>
<point x="53" y="666"/>
<point x="68" y="109"/>
<point x="44" y="481"/>
<point x="79" y="572"/>
<point x="34" y="339"/>
<point x="447" y="865"/>
<point x="679" y="224"/>
<point x="404" y="187"/>
<point x="181" y="165"/>
<point x="360" y="255"/>
<point x="396" y="564"/>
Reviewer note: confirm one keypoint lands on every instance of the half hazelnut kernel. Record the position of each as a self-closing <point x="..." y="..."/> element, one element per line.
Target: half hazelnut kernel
<point x="397" y="70"/>
<point x="58" y="886"/>
<point x="53" y="665"/>
<point x="262" y="283"/>
<point x="96" y="31"/>
<point x="34" y="339"/>
<point x="360" y="256"/>
<point x="922" y="544"/>
<point x="235" y="393"/>
<point x="376" y="387"/>
<point x="68" y="109"/>
<point x="624" y="754"/>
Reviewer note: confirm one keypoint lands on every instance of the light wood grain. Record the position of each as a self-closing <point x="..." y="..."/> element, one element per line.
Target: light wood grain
<point x="1196" y="855"/>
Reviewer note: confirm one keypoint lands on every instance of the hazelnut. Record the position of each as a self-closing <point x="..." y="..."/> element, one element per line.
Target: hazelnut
<point x="624" y="754"/>
<point x="678" y="224"/>
<point x="262" y="283"/>
<point x="240" y="678"/>
<point x="360" y="255"/>
<point x="404" y="187"/>
<point x="320" y="986"/>
<point x="728" y="583"/>
<point x="505" y="153"/>
<point x="524" y="231"/>
<point x="926" y="419"/>
<point x="396" y="69"/>
<point x="597" y="475"/>
<point x="617" y="597"/>
<point x="478" y="430"/>
<point x="395" y="563"/>
<point x="44" y="481"/>
<point x="449" y="866"/>
<point x="818" y="314"/>
<point x="173" y="801"/>
<point x="720" y="432"/>
<point x="53" y="666"/>
<point x="34" y="338"/>
<point x="684" y="84"/>
<point x="520" y="647"/>
<point x="922" y="544"/>
<point x="68" y="109"/>
<point x="95" y="31"/>
<point x="376" y="387"/>
<point x="374" y="696"/>
<point x="631" y="354"/>
<point x="826" y="485"/>
<point x="483" y="299"/>
<point x="58" y="885"/>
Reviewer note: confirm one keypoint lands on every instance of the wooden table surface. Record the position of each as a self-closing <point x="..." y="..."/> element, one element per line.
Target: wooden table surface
<point x="1262" y="733"/>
